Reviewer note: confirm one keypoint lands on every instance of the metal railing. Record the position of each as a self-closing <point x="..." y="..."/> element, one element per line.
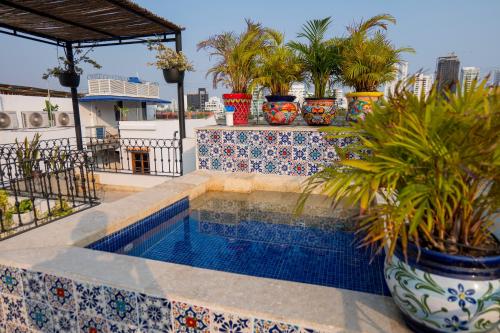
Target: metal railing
<point x="36" y="191"/>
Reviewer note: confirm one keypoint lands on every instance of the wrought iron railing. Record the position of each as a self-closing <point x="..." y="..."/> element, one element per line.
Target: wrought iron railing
<point x="35" y="191"/>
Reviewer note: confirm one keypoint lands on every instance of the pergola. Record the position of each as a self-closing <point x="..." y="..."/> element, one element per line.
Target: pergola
<point x="85" y="24"/>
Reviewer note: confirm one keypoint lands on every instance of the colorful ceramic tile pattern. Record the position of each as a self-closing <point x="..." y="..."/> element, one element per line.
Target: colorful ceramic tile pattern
<point x="190" y="318"/>
<point x="281" y="152"/>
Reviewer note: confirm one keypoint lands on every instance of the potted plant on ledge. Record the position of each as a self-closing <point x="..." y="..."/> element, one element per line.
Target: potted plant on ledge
<point x="320" y="59"/>
<point x="368" y="61"/>
<point x="429" y="194"/>
<point x="236" y="67"/>
<point x="173" y="64"/>
<point x="278" y="68"/>
<point x="67" y="77"/>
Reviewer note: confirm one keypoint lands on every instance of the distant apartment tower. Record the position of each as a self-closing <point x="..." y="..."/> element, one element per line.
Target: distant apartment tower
<point x="257" y="101"/>
<point x="340" y="98"/>
<point x="196" y="101"/>
<point x="447" y="71"/>
<point x="496" y="78"/>
<point x="401" y="70"/>
<point x="423" y="84"/>
<point x="467" y="76"/>
<point x="298" y="89"/>
<point x="215" y="105"/>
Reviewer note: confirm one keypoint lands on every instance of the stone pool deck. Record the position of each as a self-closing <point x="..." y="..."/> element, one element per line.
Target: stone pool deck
<point x="55" y="253"/>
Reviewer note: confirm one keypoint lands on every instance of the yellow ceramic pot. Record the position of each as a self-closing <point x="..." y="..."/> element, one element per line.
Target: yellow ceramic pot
<point x="360" y="103"/>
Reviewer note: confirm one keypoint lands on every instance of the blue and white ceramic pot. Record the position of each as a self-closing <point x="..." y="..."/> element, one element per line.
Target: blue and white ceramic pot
<point x="443" y="293"/>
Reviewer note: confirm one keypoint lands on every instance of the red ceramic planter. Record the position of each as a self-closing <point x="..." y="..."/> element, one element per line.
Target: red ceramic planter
<point x="241" y="103"/>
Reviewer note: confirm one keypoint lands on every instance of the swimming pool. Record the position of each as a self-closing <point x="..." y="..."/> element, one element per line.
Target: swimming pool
<point x="256" y="234"/>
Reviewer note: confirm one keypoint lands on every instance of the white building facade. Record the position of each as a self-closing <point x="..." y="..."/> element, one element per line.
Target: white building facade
<point x="467" y="76"/>
<point x="422" y="85"/>
<point x="401" y="75"/>
<point x="298" y="89"/>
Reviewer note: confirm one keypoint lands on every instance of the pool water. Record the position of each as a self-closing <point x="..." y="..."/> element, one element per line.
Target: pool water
<point x="257" y="234"/>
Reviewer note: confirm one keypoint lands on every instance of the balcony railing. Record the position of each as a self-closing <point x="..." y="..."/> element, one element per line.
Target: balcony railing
<point x="121" y="86"/>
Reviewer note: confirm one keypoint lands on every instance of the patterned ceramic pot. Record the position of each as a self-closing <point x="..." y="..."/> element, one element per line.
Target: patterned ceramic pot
<point x="360" y="103"/>
<point x="241" y="103"/>
<point x="443" y="293"/>
<point x="280" y="110"/>
<point x="318" y="111"/>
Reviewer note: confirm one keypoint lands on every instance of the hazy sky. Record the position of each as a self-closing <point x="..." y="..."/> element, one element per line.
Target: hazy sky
<point x="469" y="28"/>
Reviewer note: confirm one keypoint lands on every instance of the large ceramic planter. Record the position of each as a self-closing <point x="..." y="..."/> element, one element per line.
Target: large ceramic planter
<point x="241" y="103"/>
<point x="68" y="79"/>
<point x="280" y="110"/>
<point x="173" y="75"/>
<point x="318" y="111"/>
<point x="443" y="293"/>
<point x="360" y="103"/>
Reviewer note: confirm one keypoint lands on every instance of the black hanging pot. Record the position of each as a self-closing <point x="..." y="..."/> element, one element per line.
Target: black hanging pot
<point x="69" y="79"/>
<point x="173" y="75"/>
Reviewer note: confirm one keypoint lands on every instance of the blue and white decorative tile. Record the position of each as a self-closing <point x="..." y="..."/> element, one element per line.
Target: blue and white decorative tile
<point x="300" y="138"/>
<point x="154" y="313"/>
<point x="316" y="138"/>
<point x="10" y="281"/>
<point x="14" y="310"/>
<point x="121" y="305"/>
<point x="64" y="321"/>
<point x="89" y="324"/>
<point x="229" y="151"/>
<point x="308" y="330"/>
<point x="285" y="167"/>
<point x="313" y="168"/>
<point x="256" y="165"/>
<point x="230" y="323"/>
<point x="215" y="137"/>
<point x="256" y="152"/>
<point x="330" y="155"/>
<point x="190" y="318"/>
<point x="203" y="150"/>
<point x="256" y="138"/>
<point x="215" y="150"/>
<point x="34" y="285"/>
<point x="284" y="152"/>
<point x="285" y="138"/>
<point x="242" y="151"/>
<point x="270" y="137"/>
<point x="241" y="165"/>
<point x="270" y="166"/>
<point x="242" y="137"/>
<point x="13" y="328"/>
<point x="298" y="169"/>
<point x="315" y="154"/>
<point x="228" y="165"/>
<point x="203" y="163"/>
<point x="267" y="326"/>
<point x="60" y="292"/>
<point x="39" y="316"/>
<point x="114" y="327"/>
<point x="202" y="136"/>
<point x="270" y="152"/>
<point x="90" y="299"/>
<point x="299" y="153"/>
<point x="228" y="137"/>
<point x="216" y="163"/>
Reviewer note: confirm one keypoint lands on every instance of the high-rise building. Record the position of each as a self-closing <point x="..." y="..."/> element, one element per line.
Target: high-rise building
<point x="298" y="89"/>
<point x="496" y="78"/>
<point x="340" y="98"/>
<point x="196" y="101"/>
<point x="423" y="84"/>
<point x="257" y="101"/>
<point x="467" y="76"/>
<point x="447" y="70"/>
<point x="215" y="105"/>
<point x="401" y="70"/>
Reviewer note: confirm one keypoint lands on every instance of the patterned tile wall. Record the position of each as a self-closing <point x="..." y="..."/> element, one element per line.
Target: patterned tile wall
<point x="281" y="152"/>
<point x="36" y="302"/>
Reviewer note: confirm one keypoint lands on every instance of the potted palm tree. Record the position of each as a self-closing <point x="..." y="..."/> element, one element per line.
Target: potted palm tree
<point x="277" y="69"/>
<point x="320" y="60"/>
<point x="71" y="77"/>
<point x="173" y="64"/>
<point x="237" y="56"/>
<point x="368" y="61"/>
<point x="428" y="188"/>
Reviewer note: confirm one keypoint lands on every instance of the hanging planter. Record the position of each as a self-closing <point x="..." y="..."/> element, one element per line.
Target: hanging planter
<point x="69" y="79"/>
<point x="280" y="110"/>
<point x="173" y="75"/>
<point x="241" y="103"/>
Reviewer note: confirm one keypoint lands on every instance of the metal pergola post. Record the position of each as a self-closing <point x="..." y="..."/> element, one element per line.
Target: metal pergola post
<point x="180" y="92"/>
<point x="74" y="98"/>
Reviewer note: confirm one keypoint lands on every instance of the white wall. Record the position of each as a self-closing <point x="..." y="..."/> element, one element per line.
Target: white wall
<point x="161" y="129"/>
<point x="128" y="180"/>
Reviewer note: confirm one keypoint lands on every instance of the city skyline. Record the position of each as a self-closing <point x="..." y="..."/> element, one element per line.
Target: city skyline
<point x="450" y="33"/>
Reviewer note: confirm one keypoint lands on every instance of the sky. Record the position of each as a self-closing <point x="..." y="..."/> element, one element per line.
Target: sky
<point x="432" y="27"/>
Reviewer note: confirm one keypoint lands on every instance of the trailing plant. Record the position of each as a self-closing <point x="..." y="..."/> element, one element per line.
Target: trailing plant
<point x="368" y="58"/>
<point x="429" y="172"/>
<point x="27" y="154"/>
<point x="26" y="205"/>
<point x="278" y="67"/>
<point x="167" y="58"/>
<point x="237" y="56"/>
<point x="319" y="56"/>
<point x="79" y="57"/>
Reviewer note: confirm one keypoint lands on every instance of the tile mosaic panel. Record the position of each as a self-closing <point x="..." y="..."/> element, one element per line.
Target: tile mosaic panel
<point x="230" y="323"/>
<point x="266" y="151"/>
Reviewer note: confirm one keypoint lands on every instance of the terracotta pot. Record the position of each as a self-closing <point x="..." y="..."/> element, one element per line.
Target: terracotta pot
<point x="241" y="103"/>
<point x="444" y="293"/>
<point x="280" y="110"/>
<point x="318" y="111"/>
<point x="68" y="79"/>
<point x="173" y="75"/>
<point x="360" y="103"/>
